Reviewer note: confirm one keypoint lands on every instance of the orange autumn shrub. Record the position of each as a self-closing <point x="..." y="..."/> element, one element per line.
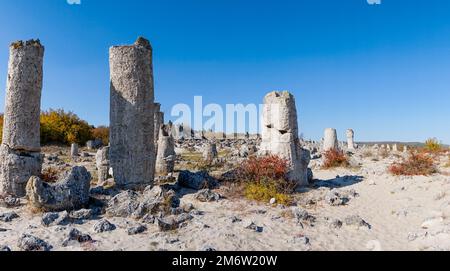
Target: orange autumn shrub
<point x="335" y="158"/>
<point x="416" y="164"/>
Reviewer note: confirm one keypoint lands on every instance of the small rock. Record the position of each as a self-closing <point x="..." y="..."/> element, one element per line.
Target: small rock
<point x="148" y="219"/>
<point x="31" y="243"/>
<point x="10" y="202"/>
<point x="303" y="216"/>
<point x="198" y="180"/>
<point x="8" y="217"/>
<point x="235" y="219"/>
<point x="137" y="230"/>
<point x="336" y="224"/>
<point x="53" y="219"/>
<point x="103" y="226"/>
<point x="207" y="195"/>
<point x="272" y="201"/>
<point x="355" y="220"/>
<point x="207" y="248"/>
<point x="334" y="198"/>
<point x="250" y="225"/>
<point x="83" y="214"/>
<point x="77" y="236"/>
<point x="4" y="249"/>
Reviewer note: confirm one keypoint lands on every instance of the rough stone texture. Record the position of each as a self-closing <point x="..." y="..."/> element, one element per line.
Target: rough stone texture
<point x="102" y="162"/>
<point x="153" y="200"/>
<point x="350" y="139"/>
<point x="31" y="243"/>
<point x="52" y="219"/>
<point x="103" y="226"/>
<point x="198" y="180"/>
<point x="280" y="135"/>
<point x="21" y="128"/>
<point x="16" y="168"/>
<point x="206" y="195"/>
<point x="19" y="155"/>
<point x="330" y="140"/>
<point x="158" y="122"/>
<point x="74" y="150"/>
<point x="210" y="151"/>
<point x="132" y="154"/>
<point x="72" y="192"/>
<point x="165" y="159"/>
<point x="75" y="236"/>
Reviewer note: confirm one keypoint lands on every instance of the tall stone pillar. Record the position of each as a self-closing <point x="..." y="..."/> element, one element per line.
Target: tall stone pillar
<point x="158" y="121"/>
<point x="20" y="156"/>
<point x="165" y="160"/>
<point x="330" y="141"/>
<point x="132" y="153"/>
<point x="280" y="135"/>
<point x="350" y="139"/>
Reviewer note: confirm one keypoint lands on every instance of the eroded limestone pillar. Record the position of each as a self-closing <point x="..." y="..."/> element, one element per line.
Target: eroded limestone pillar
<point x="165" y="160"/>
<point x="210" y="151"/>
<point x="330" y="141"/>
<point x="350" y="139"/>
<point x="102" y="162"/>
<point x="132" y="153"/>
<point x="158" y="121"/>
<point x="280" y="135"/>
<point x="20" y="156"/>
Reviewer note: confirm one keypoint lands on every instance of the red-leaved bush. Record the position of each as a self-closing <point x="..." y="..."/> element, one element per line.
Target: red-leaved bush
<point x="257" y="169"/>
<point x="335" y="158"/>
<point x="417" y="163"/>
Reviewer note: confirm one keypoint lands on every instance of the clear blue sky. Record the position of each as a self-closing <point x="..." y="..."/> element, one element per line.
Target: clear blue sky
<point x="383" y="70"/>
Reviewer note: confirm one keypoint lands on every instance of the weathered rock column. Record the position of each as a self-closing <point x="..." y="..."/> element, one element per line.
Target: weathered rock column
<point x="74" y="150"/>
<point x="210" y="151"/>
<point x="395" y="148"/>
<point x="280" y="135"/>
<point x="103" y="163"/>
<point x="20" y="156"/>
<point x="165" y="160"/>
<point x="350" y="139"/>
<point x="330" y="141"/>
<point x="158" y="122"/>
<point x="132" y="153"/>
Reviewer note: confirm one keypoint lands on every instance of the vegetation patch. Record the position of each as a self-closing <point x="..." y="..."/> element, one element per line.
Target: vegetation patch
<point x="335" y="158"/>
<point x="416" y="164"/>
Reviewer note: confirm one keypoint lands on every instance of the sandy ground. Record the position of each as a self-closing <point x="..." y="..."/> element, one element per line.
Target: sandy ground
<point x="404" y="214"/>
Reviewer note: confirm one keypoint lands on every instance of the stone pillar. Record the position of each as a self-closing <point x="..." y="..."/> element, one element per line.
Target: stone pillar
<point x="20" y="156"/>
<point x="132" y="153"/>
<point x="165" y="160"/>
<point x="405" y="149"/>
<point x="330" y="141"/>
<point x="74" y="151"/>
<point x="388" y="147"/>
<point x="103" y="163"/>
<point x="350" y="139"/>
<point x="158" y="121"/>
<point x="280" y="135"/>
<point x="210" y="151"/>
<point x="395" y="148"/>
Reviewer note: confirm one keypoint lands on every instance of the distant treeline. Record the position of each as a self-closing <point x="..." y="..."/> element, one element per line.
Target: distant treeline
<point x="60" y="127"/>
